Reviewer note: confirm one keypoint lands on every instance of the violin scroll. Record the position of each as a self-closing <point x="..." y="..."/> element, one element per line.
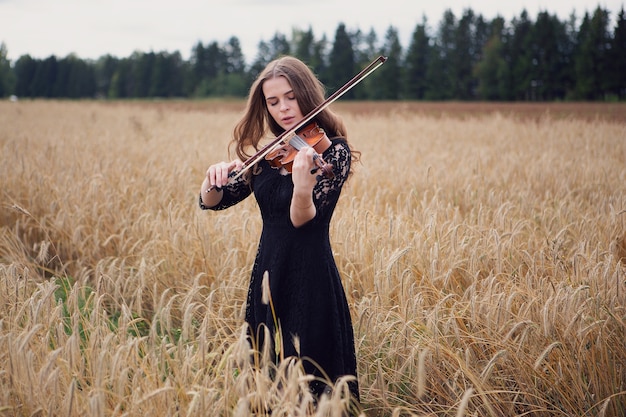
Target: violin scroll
<point x="326" y="168"/>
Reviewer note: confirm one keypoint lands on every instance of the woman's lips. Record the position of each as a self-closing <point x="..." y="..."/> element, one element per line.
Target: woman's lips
<point x="288" y="121"/>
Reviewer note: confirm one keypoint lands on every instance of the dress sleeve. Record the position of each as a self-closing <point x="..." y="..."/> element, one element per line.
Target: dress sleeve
<point x="234" y="192"/>
<point x="327" y="190"/>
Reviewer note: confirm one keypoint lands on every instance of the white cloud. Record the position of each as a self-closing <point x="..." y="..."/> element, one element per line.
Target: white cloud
<point x="92" y="28"/>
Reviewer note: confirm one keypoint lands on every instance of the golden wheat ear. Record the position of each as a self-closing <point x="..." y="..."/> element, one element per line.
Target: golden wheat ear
<point x="618" y="247"/>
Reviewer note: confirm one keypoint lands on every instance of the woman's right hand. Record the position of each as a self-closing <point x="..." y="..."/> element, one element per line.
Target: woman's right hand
<point x="217" y="174"/>
<point x="216" y="177"/>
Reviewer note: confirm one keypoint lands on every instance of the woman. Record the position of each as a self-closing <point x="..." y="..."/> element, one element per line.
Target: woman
<point x="296" y="207"/>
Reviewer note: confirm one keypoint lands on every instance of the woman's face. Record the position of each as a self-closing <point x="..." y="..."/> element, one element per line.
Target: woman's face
<point x="281" y="102"/>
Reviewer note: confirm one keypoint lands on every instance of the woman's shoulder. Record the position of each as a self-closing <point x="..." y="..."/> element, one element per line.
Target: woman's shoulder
<point x="339" y="143"/>
<point x="338" y="153"/>
<point x="338" y="148"/>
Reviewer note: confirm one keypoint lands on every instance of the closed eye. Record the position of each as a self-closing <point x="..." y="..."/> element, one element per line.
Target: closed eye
<point x="273" y="101"/>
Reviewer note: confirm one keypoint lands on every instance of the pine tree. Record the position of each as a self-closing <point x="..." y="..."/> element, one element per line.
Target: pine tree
<point x="389" y="77"/>
<point x="492" y="71"/>
<point x="591" y="59"/>
<point x="341" y="62"/>
<point x="520" y="50"/>
<point x="416" y="63"/>
<point x="617" y="58"/>
<point x="462" y="57"/>
<point x="7" y="80"/>
<point x="440" y="73"/>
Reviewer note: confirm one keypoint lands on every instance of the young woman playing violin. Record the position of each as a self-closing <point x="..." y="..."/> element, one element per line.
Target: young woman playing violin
<point x="296" y="203"/>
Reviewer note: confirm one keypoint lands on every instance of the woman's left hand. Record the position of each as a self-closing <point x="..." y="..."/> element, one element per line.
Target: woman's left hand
<point x="301" y="169"/>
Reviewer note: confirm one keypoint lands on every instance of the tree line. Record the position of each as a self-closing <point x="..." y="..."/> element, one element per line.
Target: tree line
<point x="463" y="58"/>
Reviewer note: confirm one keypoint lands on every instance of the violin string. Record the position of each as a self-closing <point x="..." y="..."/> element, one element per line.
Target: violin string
<point x="297" y="142"/>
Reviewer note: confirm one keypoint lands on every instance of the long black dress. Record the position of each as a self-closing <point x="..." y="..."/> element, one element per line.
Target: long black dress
<point x="305" y="285"/>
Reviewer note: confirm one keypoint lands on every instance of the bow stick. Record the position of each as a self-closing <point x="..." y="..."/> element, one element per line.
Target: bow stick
<point x="279" y="141"/>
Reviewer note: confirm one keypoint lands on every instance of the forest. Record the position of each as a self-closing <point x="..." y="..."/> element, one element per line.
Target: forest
<point x="465" y="58"/>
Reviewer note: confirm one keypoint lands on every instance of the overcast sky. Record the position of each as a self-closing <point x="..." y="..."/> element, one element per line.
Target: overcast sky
<point x="92" y="28"/>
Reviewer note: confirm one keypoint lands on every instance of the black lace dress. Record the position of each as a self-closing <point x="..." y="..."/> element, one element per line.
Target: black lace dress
<point x="305" y="285"/>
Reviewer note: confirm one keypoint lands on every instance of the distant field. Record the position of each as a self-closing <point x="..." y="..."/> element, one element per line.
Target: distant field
<point x="482" y="247"/>
<point x="614" y="112"/>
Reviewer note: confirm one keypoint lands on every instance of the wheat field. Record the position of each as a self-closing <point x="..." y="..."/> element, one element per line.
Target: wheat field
<point x="483" y="254"/>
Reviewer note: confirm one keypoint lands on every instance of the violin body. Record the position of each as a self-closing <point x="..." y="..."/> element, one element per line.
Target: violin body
<point x="313" y="136"/>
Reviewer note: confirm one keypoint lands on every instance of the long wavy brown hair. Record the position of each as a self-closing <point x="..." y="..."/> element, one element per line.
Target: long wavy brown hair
<point x="309" y="93"/>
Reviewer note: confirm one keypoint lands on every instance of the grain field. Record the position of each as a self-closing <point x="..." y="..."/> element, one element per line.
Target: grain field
<point x="483" y="253"/>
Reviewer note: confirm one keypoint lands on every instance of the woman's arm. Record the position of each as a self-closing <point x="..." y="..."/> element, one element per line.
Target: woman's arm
<point x="211" y="198"/>
<point x="302" y="210"/>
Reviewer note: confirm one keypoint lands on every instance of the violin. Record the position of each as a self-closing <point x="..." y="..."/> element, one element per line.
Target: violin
<point x="310" y="135"/>
<point x="287" y="137"/>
